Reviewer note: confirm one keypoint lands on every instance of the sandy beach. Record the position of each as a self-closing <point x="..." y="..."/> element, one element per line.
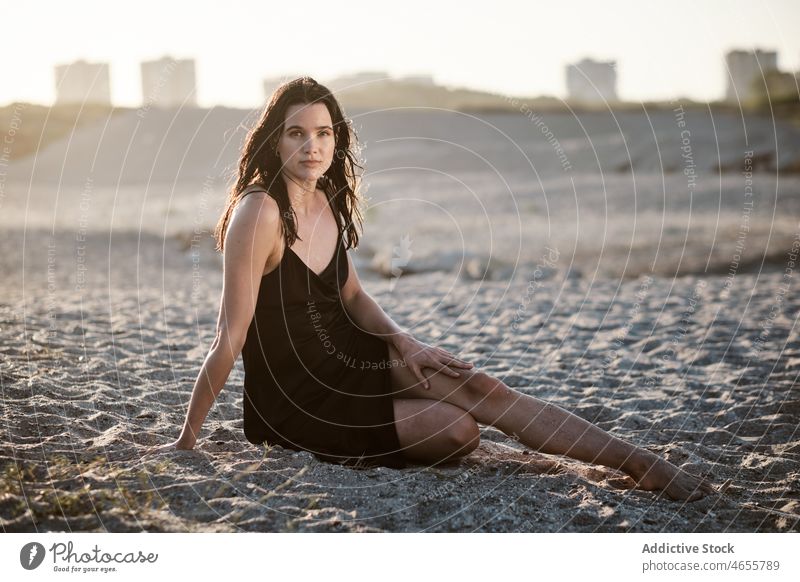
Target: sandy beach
<point x="620" y="294"/>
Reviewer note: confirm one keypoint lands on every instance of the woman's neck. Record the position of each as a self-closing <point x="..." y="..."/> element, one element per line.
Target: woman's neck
<point x="302" y="195"/>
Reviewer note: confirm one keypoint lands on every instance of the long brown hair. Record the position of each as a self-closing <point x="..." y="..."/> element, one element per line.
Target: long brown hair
<point x="260" y="164"/>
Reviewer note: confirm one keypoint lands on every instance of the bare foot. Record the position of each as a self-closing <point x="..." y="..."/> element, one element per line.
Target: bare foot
<point x="651" y="473"/>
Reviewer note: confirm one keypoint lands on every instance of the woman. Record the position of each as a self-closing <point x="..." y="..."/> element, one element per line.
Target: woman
<point x="326" y="370"/>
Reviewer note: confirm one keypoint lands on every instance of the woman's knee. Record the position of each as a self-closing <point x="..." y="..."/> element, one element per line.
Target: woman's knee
<point x="464" y="435"/>
<point x="482" y="388"/>
<point x="432" y="430"/>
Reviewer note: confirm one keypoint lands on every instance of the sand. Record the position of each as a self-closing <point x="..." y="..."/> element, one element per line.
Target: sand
<point x="92" y="376"/>
<point x="657" y="304"/>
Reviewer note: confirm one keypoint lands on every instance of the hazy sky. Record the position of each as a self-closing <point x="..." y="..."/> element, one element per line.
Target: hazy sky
<point x="663" y="49"/>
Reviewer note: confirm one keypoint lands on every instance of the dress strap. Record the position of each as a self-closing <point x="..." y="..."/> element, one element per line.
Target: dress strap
<point x="254" y="188"/>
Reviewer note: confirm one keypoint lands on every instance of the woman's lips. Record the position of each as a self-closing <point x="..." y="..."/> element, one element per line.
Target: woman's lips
<point x="310" y="162"/>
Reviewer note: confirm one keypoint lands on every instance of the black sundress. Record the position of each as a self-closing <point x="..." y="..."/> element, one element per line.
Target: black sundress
<point x="313" y="380"/>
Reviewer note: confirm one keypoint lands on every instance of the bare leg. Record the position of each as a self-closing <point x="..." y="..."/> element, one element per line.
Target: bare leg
<point x="431" y="431"/>
<point x="549" y="428"/>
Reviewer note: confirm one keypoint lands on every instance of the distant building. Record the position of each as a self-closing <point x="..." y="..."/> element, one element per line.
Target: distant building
<point x="273" y="83"/>
<point x="357" y="81"/>
<point x="418" y="80"/>
<point x="744" y="69"/>
<point x="83" y="83"/>
<point x="780" y="85"/>
<point x="592" y="81"/>
<point x="169" y="82"/>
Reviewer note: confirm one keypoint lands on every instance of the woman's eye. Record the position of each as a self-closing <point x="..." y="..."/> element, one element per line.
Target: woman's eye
<point x="296" y="133"/>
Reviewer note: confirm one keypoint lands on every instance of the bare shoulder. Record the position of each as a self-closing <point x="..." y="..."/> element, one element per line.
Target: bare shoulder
<point x="255" y="227"/>
<point x="257" y="211"/>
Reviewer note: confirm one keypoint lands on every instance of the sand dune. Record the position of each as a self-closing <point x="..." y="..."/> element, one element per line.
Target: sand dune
<point x="485" y="194"/>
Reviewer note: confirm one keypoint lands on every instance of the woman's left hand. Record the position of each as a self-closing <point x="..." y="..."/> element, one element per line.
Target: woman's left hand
<point x="419" y="355"/>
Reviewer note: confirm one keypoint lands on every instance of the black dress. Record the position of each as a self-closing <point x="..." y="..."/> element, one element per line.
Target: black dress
<point x="313" y="380"/>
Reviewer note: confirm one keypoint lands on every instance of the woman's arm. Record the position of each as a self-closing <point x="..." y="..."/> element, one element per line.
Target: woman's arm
<point x="367" y="314"/>
<point x="212" y="377"/>
<point x="250" y="239"/>
<point x="371" y="318"/>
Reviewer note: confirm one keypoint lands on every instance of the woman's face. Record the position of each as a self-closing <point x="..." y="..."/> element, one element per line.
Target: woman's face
<point x="307" y="137"/>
